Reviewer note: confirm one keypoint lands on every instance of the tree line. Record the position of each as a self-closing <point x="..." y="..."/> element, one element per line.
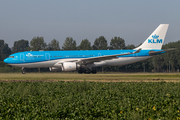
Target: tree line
<point x="168" y="62"/>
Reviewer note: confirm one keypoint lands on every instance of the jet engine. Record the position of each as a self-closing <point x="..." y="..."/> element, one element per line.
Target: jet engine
<point x="65" y="66"/>
<point x="69" y="66"/>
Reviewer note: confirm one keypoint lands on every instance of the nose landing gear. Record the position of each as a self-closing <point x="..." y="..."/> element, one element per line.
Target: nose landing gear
<point x="23" y="70"/>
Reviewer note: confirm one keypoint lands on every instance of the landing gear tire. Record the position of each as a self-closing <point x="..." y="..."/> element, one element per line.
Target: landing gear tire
<point x="23" y="71"/>
<point x="93" y="71"/>
<point x="87" y="72"/>
<point x="80" y="71"/>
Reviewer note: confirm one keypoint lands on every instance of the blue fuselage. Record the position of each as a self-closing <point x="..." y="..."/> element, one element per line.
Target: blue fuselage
<point x="40" y="56"/>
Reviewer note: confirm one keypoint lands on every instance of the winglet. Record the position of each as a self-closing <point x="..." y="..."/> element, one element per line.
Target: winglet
<point x="137" y="51"/>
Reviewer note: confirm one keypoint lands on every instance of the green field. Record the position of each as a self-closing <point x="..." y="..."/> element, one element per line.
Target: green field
<point x="100" y="96"/>
<point x="121" y="77"/>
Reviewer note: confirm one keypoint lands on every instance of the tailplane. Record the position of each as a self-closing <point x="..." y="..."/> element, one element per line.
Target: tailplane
<point x="156" y="39"/>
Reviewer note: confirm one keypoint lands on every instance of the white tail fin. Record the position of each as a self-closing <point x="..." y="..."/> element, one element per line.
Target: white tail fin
<point x="156" y="39"/>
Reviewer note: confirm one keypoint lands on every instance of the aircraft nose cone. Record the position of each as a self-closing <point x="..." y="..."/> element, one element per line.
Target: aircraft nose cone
<point x="6" y="60"/>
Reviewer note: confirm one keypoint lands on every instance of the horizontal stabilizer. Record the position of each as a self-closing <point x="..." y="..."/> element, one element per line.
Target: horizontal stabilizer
<point x="156" y="52"/>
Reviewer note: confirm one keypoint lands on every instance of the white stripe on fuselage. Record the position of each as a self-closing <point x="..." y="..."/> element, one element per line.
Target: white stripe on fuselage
<point x="112" y="62"/>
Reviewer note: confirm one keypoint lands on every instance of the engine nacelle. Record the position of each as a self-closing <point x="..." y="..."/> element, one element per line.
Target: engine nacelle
<point x="52" y="69"/>
<point x="69" y="66"/>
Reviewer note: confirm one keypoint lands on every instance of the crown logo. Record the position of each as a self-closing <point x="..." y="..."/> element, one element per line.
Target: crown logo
<point x="29" y="54"/>
<point x="155" y="36"/>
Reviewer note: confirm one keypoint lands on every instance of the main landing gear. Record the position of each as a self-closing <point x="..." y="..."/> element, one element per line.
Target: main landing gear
<point x="87" y="71"/>
<point x="23" y="70"/>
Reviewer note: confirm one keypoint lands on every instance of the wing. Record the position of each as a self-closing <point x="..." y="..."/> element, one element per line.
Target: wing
<point x="156" y="52"/>
<point x="106" y="57"/>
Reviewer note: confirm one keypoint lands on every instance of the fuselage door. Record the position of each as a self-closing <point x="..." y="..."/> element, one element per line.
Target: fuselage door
<point x="21" y="57"/>
<point x="47" y="56"/>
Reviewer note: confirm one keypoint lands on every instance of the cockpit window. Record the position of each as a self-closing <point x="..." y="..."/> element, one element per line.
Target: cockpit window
<point x="11" y="56"/>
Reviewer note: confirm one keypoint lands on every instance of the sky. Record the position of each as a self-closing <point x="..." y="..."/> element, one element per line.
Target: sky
<point x="132" y="20"/>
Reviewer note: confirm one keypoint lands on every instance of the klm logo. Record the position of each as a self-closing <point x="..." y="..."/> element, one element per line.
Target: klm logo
<point x="155" y="39"/>
<point x="29" y="55"/>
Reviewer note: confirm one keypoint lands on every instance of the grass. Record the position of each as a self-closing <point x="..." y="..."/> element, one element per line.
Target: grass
<point x="133" y="77"/>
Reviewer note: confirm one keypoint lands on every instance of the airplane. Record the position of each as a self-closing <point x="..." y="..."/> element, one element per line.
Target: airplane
<point x="84" y="61"/>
